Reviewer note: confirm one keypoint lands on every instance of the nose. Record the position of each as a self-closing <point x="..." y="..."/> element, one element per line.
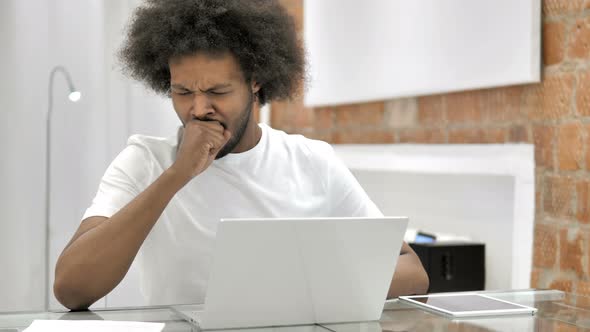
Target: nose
<point x="201" y="106"/>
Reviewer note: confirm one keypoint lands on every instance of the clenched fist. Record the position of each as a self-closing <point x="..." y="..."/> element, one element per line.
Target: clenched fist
<point x="200" y="142"/>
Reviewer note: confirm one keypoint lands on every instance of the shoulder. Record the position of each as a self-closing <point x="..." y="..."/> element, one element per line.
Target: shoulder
<point x="297" y="145"/>
<point x="159" y="149"/>
<point x="143" y="155"/>
<point x="153" y="144"/>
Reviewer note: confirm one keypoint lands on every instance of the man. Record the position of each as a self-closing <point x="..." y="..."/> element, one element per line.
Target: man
<point x="217" y="60"/>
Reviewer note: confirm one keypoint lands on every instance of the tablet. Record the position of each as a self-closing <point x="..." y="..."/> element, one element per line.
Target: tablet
<point x="467" y="305"/>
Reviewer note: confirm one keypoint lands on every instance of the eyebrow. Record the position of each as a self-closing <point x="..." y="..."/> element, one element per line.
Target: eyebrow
<point x="215" y="87"/>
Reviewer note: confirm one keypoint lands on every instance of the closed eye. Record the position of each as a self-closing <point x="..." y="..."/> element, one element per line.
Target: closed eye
<point x="218" y="93"/>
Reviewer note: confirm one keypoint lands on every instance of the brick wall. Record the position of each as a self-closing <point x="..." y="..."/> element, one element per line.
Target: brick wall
<point x="553" y="115"/>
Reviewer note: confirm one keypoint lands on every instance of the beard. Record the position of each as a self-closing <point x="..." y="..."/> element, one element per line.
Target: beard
<point x="240" y="129"/>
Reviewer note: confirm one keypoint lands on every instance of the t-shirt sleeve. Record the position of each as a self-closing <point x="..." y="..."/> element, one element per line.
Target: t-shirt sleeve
<point x="347" y="197"/>
<point x="123" y="180"/>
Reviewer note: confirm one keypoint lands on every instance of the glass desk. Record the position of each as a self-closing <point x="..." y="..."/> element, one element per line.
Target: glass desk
<point x="557" y="311"/>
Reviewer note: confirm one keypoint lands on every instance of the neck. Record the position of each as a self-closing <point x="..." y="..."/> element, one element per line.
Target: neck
<point x="252" y="134"/>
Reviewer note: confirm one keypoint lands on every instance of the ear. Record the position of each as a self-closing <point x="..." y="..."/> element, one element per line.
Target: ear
<point x="255" y="86"/>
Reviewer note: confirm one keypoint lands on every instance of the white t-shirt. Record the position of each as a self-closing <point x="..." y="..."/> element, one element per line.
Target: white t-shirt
<point x="282" y="176"/>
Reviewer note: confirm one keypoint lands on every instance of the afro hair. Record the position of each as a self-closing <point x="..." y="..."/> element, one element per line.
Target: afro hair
<point x="260" y="34"/>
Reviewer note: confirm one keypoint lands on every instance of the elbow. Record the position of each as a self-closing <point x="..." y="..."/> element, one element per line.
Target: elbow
<point x="410" y="278"/>
<point x="69" y="296"/>
<point x="422" y="282"/>
<point x="419" y="276"/>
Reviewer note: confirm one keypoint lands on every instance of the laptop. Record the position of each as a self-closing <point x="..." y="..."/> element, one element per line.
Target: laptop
<point x="281" y="272"/>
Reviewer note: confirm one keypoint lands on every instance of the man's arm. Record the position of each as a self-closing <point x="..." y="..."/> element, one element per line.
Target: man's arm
<point x="101" y="251"/>
<point x="409" y="277"/>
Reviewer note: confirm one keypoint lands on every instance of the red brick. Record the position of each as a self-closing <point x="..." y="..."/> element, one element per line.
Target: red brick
<point x="401" y="113"/>
<point x="570" y="148"/>
<point x="586" y="249"/>
<point x="276" y="114"/>
<point x="562" y="327"/>
<point x="466" y="136"/>
<point x="571" y="252"/>
<point x="583" y="206"/>
<point x="562" y="284"/>
<point x="558" y="200"/>
<point x="422" y="136"/>
<point x="346" y="115"/>
<point x="535" y="277"/>
<point x="545" y="246"/>
<point x="325" y="136"/>
<point x="583" y="94"/>
<point x="583" y="288"/>
<point x="295" y="9"/>
<point x="519" y="134"/>
<point x="551" y="99"/>
<point x="544" y="325"/>
<point x="502" y="105"/>
<point x="323" y="118"/>
<point x="356" y="136"/>
<point x="583" y="294"/>
<point x="561" y="7"/>
<point x="303" y="117"/>
<point x="579" y="41"/>
<point x="291" y="5"/>
<point x="431" y="110"/>
<point x="539" y="185"/>
<point x="495" y="135"/>
<point x="553" y="42"/>
<point x="463" y="107"/>
<point x="281" y="116"/>
<point x="543" y="137"/>
<point x="374" y="107"/>
<point x="356" y="115"/>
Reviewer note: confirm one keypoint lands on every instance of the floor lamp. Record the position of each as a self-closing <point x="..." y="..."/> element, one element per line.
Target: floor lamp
<point x="74" y="96"/>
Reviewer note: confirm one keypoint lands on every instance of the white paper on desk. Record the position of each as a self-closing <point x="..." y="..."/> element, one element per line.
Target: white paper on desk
<point x="92" y="326"/>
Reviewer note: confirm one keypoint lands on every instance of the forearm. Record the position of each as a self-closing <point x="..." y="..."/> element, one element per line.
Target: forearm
<point x="98" y="259"/>
<point x="409" y="277"/>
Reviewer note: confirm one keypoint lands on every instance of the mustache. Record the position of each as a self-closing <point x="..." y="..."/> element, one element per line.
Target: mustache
<point x="194" y="118"/>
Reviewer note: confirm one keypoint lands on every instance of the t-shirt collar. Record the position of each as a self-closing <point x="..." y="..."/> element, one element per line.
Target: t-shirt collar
<point x="257" y="150"/>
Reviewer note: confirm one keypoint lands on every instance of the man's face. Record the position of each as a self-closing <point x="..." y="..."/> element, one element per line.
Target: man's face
<point x="212" y="88"/>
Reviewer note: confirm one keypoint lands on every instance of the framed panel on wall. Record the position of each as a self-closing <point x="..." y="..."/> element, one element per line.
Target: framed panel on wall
<point x="361" y="51"/>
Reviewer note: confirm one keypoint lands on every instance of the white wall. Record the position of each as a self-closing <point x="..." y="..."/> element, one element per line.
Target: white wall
<point x="479" y="207"/>
<point x="83" y="36"/>
<point x="78" y="155"/>
<point x="418" y="47"/>
<point x="486" y="192"/>
<point x="23" y="36"/>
